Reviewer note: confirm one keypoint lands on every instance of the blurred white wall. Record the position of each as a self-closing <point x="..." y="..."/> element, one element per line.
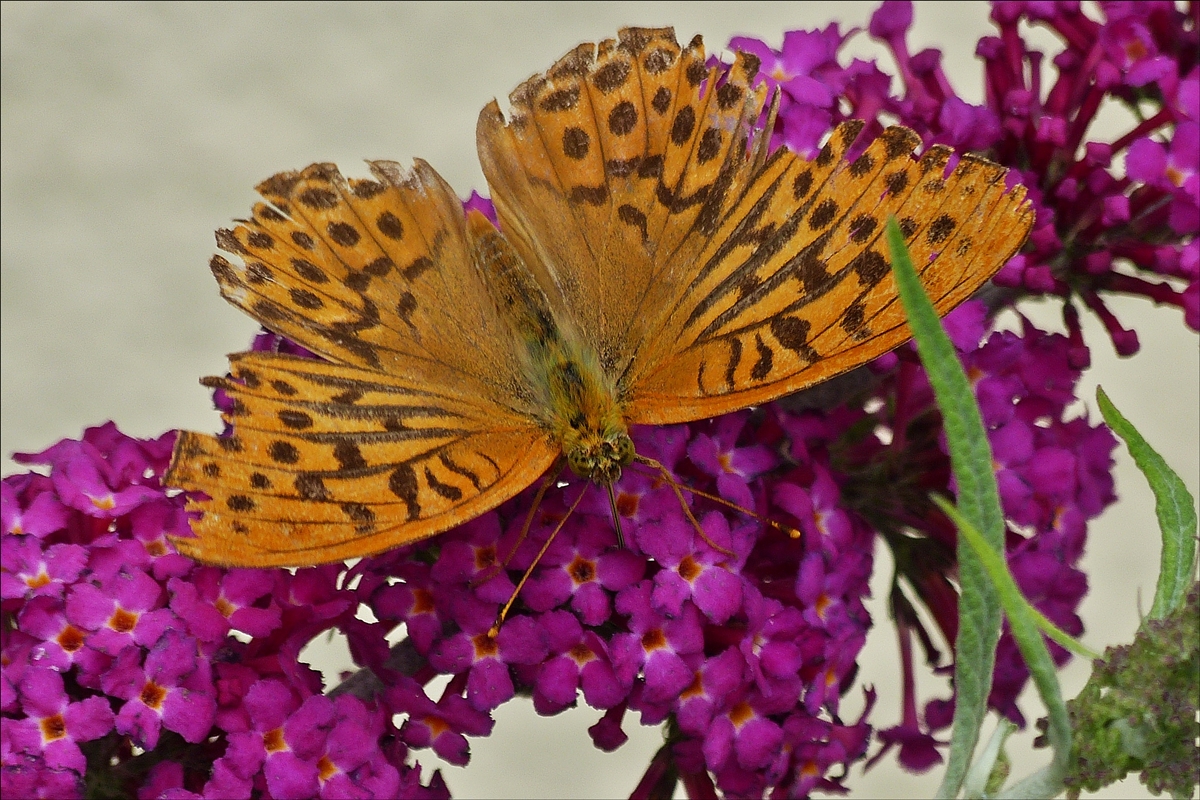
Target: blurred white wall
<point x="132" y="131"/>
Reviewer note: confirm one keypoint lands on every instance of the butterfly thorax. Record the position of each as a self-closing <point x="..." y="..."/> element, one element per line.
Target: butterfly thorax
<point x="574" y="397"/>
<point x="586" y="416"/>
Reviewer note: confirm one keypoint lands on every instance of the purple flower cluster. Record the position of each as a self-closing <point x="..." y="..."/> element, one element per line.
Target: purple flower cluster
<point x="121" y="650"/>
<point x="745" y="640"/>
<point x="1118" y="216"/>
<point x="129" y="669"/>
<point x="1112" y="216"/>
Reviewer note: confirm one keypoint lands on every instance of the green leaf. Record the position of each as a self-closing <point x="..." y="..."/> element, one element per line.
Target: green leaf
<point x="979" y="502"/>
<point x="1022" y="620"/>
<point x="1174" y="506"/>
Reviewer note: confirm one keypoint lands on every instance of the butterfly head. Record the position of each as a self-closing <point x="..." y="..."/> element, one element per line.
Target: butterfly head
<point x="600" y="458"/>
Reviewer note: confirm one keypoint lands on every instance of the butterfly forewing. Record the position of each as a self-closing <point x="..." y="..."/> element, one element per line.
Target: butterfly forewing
<point x="372" y="272"/>
<point x="795" y="288"/>
<point x="605" y="165"/>
<point x="707" y="277"/>
<point x="421" y="421"/>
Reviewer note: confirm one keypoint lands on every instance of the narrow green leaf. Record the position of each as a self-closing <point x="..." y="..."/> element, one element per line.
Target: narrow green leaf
<point x="1022" y="620"/>
<point x="979" y="502"/>
<point x="991" y="768"/>
<point x="1065" y="639"/>
<point x="1174" y="506"/>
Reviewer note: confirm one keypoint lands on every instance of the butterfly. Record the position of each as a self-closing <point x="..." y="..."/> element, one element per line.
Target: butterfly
<point x="655" y="263"/>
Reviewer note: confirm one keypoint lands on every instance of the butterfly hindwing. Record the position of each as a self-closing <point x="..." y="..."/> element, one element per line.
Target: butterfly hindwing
<point x="328" y="462"/>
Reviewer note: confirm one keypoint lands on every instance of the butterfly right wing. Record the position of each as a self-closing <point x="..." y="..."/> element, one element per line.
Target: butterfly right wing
<point x="421" y="418"/>
<point x="329" y="462"/>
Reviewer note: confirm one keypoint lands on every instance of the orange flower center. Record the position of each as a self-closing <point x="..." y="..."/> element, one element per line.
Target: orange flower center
<point x="485" y="557"/>
<point x="71" y="639"/>
<point x="485" y="646"/>
<point x="225" y="607"/>
<point x="104" y="503"/>
<point x="326" y="769"/>
<point x="153" y="695"/>
<point x="689" y="569"/>
<point x="41" y="579"/>
<point x="1135" y="50"/>
<point x="740" y="714"/>
<point x="627" y="504"/>
<point x="581" y="570"/>
<point x="437" y="726"/>
<point x="123" y="621"/>
<point x="422" y="602"/>
<point x="53" y="728"/>
<point x="582" y="654"/>
<point x="273" y="741"/>
<point x="653" y="640"/>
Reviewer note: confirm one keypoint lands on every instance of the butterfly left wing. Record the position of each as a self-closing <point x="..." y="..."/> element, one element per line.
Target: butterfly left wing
<point x="333" y="461"/>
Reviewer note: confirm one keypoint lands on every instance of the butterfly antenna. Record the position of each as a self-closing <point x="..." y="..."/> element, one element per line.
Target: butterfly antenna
<point x="495" y="629"/>
<point x="674" y="484"/>
<point x="662" y="470"/>
<point x="547" y="482"/>
<point x="612" y="503"/>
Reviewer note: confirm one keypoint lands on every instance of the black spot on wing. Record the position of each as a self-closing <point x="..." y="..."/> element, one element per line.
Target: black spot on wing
<point x="735" y="358"/>
<point x="792" y="333"/>
<point x="766" y="360"/>
<point x="458" y="469"/>
<point x="310" y="486"/>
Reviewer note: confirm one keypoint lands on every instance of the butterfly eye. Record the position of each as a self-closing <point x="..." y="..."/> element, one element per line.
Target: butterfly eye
<point x="580" y="462"/>
<point x="624" y="450"/>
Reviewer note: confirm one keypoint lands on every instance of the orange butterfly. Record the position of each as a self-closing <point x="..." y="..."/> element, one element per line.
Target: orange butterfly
<point x="655" y="264"/>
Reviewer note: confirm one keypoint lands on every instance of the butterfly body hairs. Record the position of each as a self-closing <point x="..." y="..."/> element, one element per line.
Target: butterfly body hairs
<point x="655" y="263"/>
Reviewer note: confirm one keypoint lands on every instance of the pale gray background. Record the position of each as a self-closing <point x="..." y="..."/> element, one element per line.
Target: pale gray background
<point x="131" y="132"/>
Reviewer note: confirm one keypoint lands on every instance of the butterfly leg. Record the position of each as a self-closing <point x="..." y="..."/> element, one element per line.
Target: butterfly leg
<point x="495" y="629"/>
<point x="547" y="482"/>
<point x="612" y="503"/>
<point x="779" y="526"/>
